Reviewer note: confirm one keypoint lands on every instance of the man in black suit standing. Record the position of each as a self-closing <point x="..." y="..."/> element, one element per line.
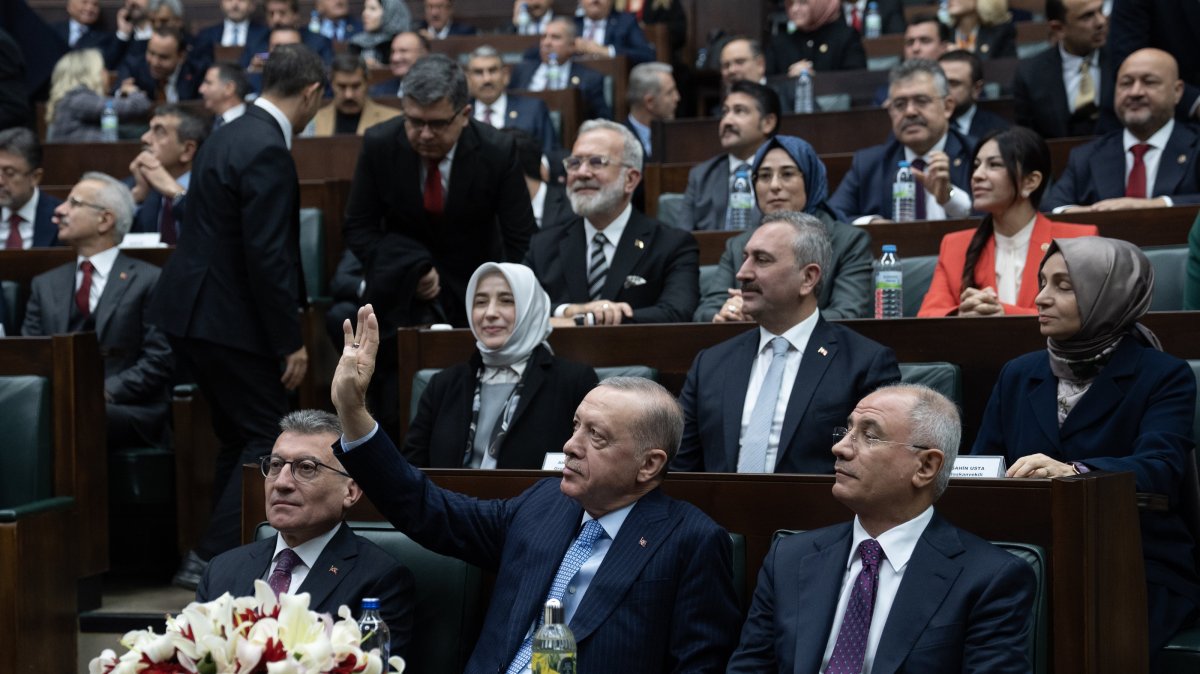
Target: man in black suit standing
<point x="558" y="43"/>
<point x="964" y="76"/>
<point x="766" y="400"/>
<point x="162" y="170"/>
<point x="487" y="79"/>
<point x="109" y="293"/>
<point x="307" y="496"/>
<point x="230" y="295"/>
<point x="26" y="213"/>
<point x="611" y="264"/>
<point x="1057" y="92"/>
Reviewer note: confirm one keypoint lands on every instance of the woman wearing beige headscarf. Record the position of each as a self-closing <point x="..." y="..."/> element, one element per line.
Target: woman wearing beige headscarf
<point x="818" y="40"/>
<point x="1104" y="396"/>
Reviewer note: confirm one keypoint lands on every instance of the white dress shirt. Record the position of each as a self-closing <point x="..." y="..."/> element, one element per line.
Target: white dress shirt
<point x="308" y="552"/>
<point x="1071" y="75"/>
<point x="596" y="31"/>
<point x="1011" y="252"/>
<point x="962" y="123"/>
<point x="797" y="337"/>
<point x="279" y="117"/>
<point x="75" y="30"/>
<point x="539" y="203"/>
<point x="958" y="206"/>
<point x="234" y="112"/>
<point x="612" y="233"/>
<point x="1157" y="142"/>
<point x="537" y="26"/>
<point x="234" y="34"/>
<point x="103" y="263"/>
<point x="28" y="213"/>
<point x="498" y="108"/>
<point x="898" y="544"/>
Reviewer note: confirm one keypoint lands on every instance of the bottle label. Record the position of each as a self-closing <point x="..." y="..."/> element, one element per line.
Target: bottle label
<point x="890" y="279"/>
<point x="743" y="200"/>
<point x="903" y="189"/>
<point x="552" y="663"/>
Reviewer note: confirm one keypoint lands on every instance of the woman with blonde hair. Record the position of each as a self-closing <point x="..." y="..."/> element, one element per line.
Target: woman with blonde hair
<point x="77" y="98"/>
<point x="984" y="27"/>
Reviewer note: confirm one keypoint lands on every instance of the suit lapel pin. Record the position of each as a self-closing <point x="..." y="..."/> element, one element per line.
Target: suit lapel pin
<point x="512" y="114"/>
<point x="124" y="276"/>
<point x="1045" y="247"/>
<point x="823" y="48"/>
<point x="642" y="541"/>
<point x="957" y="161"/>
<point x="333" y="570"/>
<point x="1182" y="159"/>
<point x="822" y="351"/>
<point x="637" y="243"/>
<point x="575" y="80"/>
<point x="983" y="48"/>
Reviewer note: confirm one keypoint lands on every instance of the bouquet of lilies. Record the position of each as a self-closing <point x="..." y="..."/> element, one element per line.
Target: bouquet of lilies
<point x="248" y="635"/>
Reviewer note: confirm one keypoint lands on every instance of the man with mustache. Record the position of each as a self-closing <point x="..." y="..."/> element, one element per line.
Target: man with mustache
<point x="920" y="106"/>
<point x="1160" y="155"/>
<point x="646" y="581"/>
<point x="307" y="496"/>
<point x="898" y="588"/>
<point x="766" y="400"/>
<point x="351" y="111"/>
<point x="749" y="116"/>
<point x="611" y="264"/>
<point x="487" y="78"/>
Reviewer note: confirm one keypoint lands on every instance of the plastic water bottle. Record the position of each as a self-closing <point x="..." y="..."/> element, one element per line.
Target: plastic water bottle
<point x="108" y="122"/>
<point x="554" y="643"/>
<point x="374" y="630"/>
<point x="741" y="200"/>
<point x="889" y="285"/>
<point x="314" y="23"/>
<point x="804" y="93"/>
<point x="523" y="19"/>
<point x="873" y="24"/>
<point x="943" y="13"/>
<point x="553" y="73"/>
<point x="904" y="194"/>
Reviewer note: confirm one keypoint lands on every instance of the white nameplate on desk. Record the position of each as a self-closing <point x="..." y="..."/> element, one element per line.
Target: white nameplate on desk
<point x="978" y="466"/>
<point x="142" y="240"/>
<point x="554" y="461"/>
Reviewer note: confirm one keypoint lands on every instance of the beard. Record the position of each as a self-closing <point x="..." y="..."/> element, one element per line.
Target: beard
<point x="606" y="200"/>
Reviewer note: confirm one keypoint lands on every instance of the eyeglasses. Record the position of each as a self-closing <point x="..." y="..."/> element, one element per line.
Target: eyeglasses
<point x="594" y="162"/>
<point x="900" y="105"/>
<point x="860" y="438"/>
<point x="434" y="125"/>
<point x="10" y="172"/>
<point x="75" y="202"/>
<point x="304" y="470"/>
<point x="784" y="175"/>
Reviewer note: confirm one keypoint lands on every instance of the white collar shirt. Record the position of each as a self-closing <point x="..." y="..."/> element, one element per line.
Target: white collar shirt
<point x="103" y="263"/>
<point x="539" y="203"/>
<point x="234" y="34"/>
<point x="1153" y="156"/>
<point x="279" y="117"/>
<point x="1071" y="75"/>
<point x="1011" y="252"/>
<point x="28" y="214"/>
<point x="498" y="108"/>
<point x="308" y="551"/>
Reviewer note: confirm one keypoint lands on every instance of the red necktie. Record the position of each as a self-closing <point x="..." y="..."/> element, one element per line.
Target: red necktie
<point x="85" y="289"/>
<point x="1136" y="186"/>
<point x="14" y="233"/>
<point x="166" y="221"/>
<point x="433" y="189"/>
<point x="855" y="19"/>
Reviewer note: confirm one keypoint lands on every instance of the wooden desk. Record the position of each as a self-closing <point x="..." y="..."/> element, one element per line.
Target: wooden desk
<point x="1087" y="525"/>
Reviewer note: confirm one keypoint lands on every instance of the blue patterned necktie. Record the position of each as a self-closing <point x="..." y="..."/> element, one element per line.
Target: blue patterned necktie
<point x="752" y="458"/>
<point x="851" y="646"/>
<point x="576" y="555"/>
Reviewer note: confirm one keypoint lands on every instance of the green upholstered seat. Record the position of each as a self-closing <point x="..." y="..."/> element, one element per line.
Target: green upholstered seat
<point x="141" y="476"/>
<point x="945" y="378"/>
<point x="312" y="251"/>
<point x="1170" y="276"/>
<point x="11" y="302"/>
<point x="670" y="211"/>
<point x="27" y="462"/>
<point x="1038" y="638"/>
<point x="447" y="614"/>
<point x="1182" y="653"/>
<point x="918" y="274"/>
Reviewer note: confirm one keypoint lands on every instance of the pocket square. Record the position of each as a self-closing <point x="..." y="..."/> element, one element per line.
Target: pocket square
<point x="633" y="280"/>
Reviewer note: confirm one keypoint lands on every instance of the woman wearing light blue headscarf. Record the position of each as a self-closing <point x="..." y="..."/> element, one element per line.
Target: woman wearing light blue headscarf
<point x="789" y="176"/>
<point x="382" y="20"/>
<point x="514" y="400"/>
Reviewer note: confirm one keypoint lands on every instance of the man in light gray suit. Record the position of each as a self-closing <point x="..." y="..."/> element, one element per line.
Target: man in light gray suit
<point x="107" y="292"/>
<point x="750" y="115"/>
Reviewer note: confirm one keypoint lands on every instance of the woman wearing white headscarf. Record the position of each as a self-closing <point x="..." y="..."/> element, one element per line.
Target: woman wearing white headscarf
<point x="1104" y="396"/>
<point x="513" y="401"/>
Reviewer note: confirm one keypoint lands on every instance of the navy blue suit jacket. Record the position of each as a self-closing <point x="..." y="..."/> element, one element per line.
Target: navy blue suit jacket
<point x="1040" y="96"/>
<point x="456" y="28"/>
<point x="532" y="116"/>
<point x="982" y="123"/>
<point x="257" y="37"/>
<point x="589" y="82"/>
<point x="45" y="232"/>
<point x="662" y="600"/>
<point x="962" y="606"/>
<point x="348" y="569"/>
<point x="187" y="85"/>
<point x="1136" y="417"/>
<point x="145" y="218"/>
<point x="867" y="187"/>
<point x="625" y="36"/>
<point x="388" y="87"/>
<point x="1096" y="171"/>
<point x="94" y="38"/>
<point x="839" y="368"/>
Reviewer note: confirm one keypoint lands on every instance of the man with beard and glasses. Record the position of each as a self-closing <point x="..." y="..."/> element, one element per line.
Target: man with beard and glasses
<point x="611" y="264"/>
<point x="749" y="116"/>
<point x="920" y="107"/>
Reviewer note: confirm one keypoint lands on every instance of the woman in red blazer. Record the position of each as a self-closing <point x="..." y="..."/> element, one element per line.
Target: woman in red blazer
<point x="1009" y="178"/>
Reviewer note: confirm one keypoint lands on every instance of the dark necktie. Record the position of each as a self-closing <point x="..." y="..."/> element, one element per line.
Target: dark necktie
<point x="919" y="164"/>
<point x="434" y="202"/>
<point x="83" y="295"/>
<point x="281" y="578"/>
<point x="1136" y="186"/>
<point x="218" y="122"/>
<point x="851" y="646"/>
<point x="166" y="221"/>
<point x="14" y="233"/>
<point x="597" y="266"/>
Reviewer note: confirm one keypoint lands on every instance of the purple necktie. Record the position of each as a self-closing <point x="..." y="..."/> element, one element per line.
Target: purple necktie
<point x="851" y="646"/>
<point x="281" y="578"/>
<point x="920" y="214"/>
